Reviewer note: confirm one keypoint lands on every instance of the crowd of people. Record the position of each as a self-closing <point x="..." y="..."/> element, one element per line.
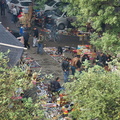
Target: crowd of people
<point x="68" y="65"/>
<point x="71" y="65"/>
<point x="14" y="11"/>
<point x="53" y="88"/>
<point x="24" y="36"/>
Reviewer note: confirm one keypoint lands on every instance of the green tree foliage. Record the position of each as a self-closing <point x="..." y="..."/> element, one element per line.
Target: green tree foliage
<point x="109" y="42"/>
<point x="40" y="5"/>
<point x="96" y="95"/>
<point x="10" y="80"/>
<point x="104" y="16"/>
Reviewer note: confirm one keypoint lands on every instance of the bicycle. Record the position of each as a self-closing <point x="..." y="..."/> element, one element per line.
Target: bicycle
<point x="56" y="37"/>
<point x="48" y="35"/>
<point x="52" y="36"/>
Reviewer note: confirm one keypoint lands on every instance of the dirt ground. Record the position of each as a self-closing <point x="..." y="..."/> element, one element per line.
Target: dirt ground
<point x="48" y="64"/>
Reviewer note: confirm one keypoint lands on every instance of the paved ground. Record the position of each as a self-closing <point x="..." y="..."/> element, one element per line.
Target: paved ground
<point x="47" y="63"/>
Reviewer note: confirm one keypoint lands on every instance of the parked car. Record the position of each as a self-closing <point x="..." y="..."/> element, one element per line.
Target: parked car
<point x="61" y="19"/>
<point x="54" y="4"/>
<point x="24" y="4"/>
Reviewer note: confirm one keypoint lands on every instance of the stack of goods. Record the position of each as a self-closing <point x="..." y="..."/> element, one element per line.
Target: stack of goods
<point x="52" y="51"/>
<point x="32" y="63"/>
<point x="25" y="18"/>
<point x="86" y="49"/>
<point x="59" y="108"/>
<point x="28" y="62"/>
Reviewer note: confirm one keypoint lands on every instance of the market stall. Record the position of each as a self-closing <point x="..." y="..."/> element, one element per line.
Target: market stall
<point x="25" y="18"/>
<point x="85" y="49"/>
<point x="53" y="52"/>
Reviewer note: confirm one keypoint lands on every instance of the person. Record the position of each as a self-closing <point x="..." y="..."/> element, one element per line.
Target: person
<point x="60" y="50"/>
<point x="49" y="23"/>
<point x="85" y="57"/>
<point x="26" y="38"/>
<point x="35" y="36"/>
<point x="109" y="58"/>
<point x="21" y="31"/>
<point x="55" y="85"/>
<point x="14" y="14"/>
<point x="78" y="64"/>
<point x="106" y="68"/>
<point x="65" y="67"/>
<point x="3" y="6"/>
<point x="102" y="58"/>
<point x="54" y="30"/>
<point x="40" y="44"/>
<point x="89" y="27"/>
<point x="19" y="11"/>
<point x="74" y="64"/>
<point x="8" y="29"/>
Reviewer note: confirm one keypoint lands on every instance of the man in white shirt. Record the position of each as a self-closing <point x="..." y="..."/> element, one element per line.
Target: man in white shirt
<point x="14" y="12"/>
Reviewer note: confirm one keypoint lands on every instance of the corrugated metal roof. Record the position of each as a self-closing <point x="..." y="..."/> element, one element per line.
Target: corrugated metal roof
<point x="7" y="38"/>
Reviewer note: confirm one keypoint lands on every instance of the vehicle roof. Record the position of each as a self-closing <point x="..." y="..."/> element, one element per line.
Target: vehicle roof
<point x="57" y="0"/>
<point x="25" y="0"/>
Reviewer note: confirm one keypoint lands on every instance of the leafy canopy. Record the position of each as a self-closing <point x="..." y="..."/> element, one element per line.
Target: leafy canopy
<point x="10" y="80"/>
<point x="104" y="16"/>
<point x="96" y="95"/>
